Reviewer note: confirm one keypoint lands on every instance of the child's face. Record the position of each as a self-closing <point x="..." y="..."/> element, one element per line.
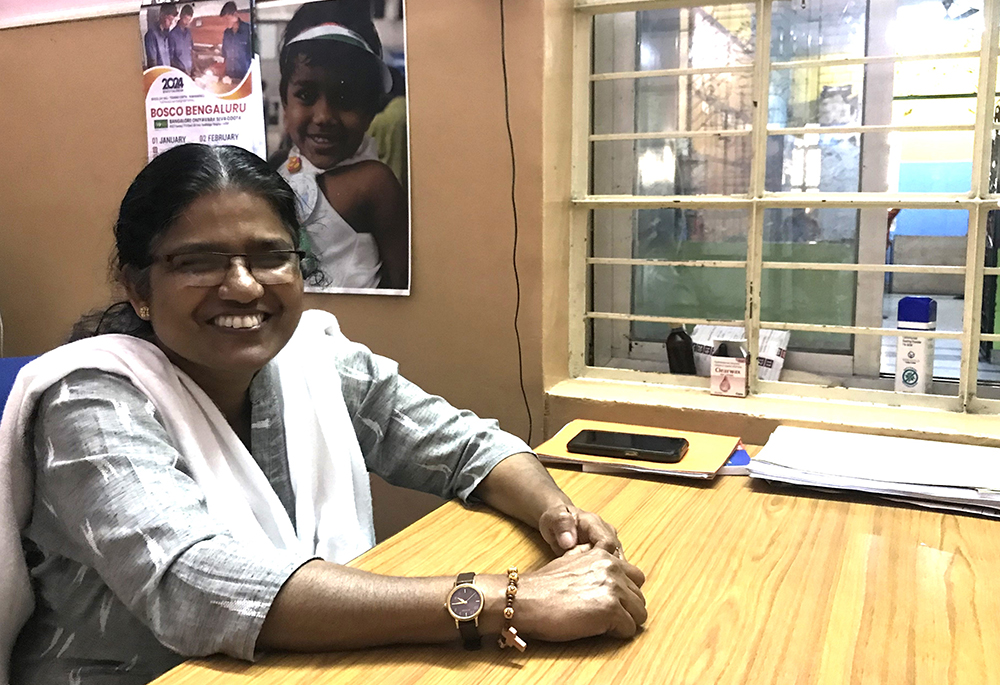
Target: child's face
<point x="324" y="118"/>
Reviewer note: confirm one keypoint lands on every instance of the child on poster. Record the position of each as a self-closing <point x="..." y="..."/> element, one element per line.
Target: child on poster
<point x="353" y="208"/>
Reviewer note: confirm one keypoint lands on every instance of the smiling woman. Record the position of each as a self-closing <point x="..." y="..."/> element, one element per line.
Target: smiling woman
<point x="222" y="321"/>
<point x="200" y="461"/>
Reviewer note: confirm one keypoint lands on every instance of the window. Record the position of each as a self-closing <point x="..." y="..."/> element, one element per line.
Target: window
<point x="870" y="175"/>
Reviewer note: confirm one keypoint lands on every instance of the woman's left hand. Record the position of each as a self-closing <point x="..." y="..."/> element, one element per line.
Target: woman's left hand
<point x="568" y="528"/>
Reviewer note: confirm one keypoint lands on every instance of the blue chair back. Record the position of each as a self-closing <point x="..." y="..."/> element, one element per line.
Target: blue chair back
<point x="9" y="366"/>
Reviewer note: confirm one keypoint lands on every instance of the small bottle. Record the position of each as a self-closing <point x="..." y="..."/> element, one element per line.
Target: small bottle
<point x="915" y="356"/>
<point x="680" y="352"/>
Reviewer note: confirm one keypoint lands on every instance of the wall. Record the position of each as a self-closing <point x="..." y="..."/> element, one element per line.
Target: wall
<point x="72" y="137"/>
<point x="945" y="250"/>
<point x="26" y="12"/>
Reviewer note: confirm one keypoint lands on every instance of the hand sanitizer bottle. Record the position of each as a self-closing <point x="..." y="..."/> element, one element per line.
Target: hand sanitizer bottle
<point x="915" y="356"/>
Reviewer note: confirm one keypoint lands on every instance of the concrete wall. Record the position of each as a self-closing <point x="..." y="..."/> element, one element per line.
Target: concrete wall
<point x="929" y="249"/>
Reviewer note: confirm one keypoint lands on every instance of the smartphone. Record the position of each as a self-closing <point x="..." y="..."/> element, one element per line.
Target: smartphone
<point x="659" y="448"/>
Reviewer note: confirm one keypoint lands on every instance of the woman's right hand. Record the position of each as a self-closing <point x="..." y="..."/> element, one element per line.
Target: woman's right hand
<point x="581" y="595"/>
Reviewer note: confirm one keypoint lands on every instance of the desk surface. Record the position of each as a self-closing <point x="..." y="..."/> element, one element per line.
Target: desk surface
<point x="745" y="584"/>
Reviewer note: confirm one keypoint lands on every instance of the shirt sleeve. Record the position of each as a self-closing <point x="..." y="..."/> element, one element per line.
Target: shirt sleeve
<point x="173" y="47"/>
<point x="149" y="42"/>
<point x="414" y="439"/>
<point x="120" y="493"/>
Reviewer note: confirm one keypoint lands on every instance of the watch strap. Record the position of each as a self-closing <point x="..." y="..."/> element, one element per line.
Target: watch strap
<point x="468" y="629"/>
<point x="470" y="635"/>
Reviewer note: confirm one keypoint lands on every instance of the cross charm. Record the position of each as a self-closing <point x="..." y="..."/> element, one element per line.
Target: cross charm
<point x="509" y="638"/>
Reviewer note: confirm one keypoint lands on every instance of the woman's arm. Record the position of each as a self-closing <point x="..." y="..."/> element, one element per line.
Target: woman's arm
<point x="520" y="487"/>
<point x="390" y="225"/>
<point x="324" y="606"/>
<point x="111" y="493"/>
<point x="369" y="198"/>
<point x="417" y="440"/>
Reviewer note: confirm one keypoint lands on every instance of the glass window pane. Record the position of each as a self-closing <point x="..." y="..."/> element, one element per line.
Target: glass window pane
<point x="689" y="38"/>
<point x="913" y="237"/>
<point x="812" y="297"/>
<point x="823" y="96"/>
<point x="925" y="162"/>
<point x="919" y="110"/>
<point x="928" y="237"/>
<point x="922" y="27"/>
<point x="811" y="235"/>
<point x="697" y="102"/>
<point x="673" y="291"/>
<point x="822" y="28"/>
<point x="834" y="96"/>
<point x="608" y="343"/>
<point x="830" y="29"/>
<point x="671" y="234"/>
<point x="696" y="37"/>
<point x="928" y="92"/>
<point x="814" y="163"/>
<point x="678" y="166"/>
<point x="927" y="78"/>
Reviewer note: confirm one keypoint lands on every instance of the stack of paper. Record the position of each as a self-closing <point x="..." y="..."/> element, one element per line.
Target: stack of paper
<point x="938" y="475"/>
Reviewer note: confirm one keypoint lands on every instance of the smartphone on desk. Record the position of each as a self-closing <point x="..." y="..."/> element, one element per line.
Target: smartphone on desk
<point x="662" y="449"/>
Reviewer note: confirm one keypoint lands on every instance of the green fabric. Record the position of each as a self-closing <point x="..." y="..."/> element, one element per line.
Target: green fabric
<point x="388" y="128"/>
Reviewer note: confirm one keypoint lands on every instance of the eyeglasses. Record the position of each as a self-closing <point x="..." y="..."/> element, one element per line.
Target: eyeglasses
<point x="209" y="269"/>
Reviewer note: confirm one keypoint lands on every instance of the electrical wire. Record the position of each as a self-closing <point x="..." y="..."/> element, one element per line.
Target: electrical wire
<point x="513" y="204"/>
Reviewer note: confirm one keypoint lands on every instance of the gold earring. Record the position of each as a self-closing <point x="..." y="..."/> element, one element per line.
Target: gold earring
<point x="143" y="313"/>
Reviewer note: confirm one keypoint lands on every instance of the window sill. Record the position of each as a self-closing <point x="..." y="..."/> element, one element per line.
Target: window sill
<point x="753" y="418"/>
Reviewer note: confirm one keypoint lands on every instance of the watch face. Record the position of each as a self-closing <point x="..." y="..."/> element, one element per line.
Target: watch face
<point x="465" y="602"/>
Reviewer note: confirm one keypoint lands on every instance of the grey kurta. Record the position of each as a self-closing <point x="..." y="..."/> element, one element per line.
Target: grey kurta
<point x="132" y="575"/>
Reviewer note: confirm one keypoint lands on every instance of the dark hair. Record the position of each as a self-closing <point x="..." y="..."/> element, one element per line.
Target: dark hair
<point x="359" y="70"/>
<point x="228" y="8"/>
<point x="168" y="10"/>
<point x="187" y="11"/>
<point x="356" y="73"/>
<point x="158" y="196"/>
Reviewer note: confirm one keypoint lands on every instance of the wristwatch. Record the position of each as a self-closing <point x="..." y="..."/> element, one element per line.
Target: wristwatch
<point x="465" y="602"/>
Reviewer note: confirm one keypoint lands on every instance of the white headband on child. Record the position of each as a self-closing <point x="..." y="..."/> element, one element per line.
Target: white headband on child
<point x="342" y="34"/>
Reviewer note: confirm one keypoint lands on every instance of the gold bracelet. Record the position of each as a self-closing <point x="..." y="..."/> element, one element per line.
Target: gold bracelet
<point x="508" y="637"/>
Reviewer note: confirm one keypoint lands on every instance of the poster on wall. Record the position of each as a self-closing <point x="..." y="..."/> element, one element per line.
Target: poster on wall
<point x="201" y="76"/>
<point x="334" y="75"/>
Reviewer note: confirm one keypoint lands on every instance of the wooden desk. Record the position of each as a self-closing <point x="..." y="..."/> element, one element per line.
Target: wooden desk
<point x="745" y="584"/>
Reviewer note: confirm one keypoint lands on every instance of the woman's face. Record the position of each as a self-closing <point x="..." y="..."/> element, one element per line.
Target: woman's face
<point x="324" y="119"/>
<point x="230" y="331"/>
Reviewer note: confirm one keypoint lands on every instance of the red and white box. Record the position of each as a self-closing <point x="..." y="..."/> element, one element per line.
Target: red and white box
<point x="730" y="367"/>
